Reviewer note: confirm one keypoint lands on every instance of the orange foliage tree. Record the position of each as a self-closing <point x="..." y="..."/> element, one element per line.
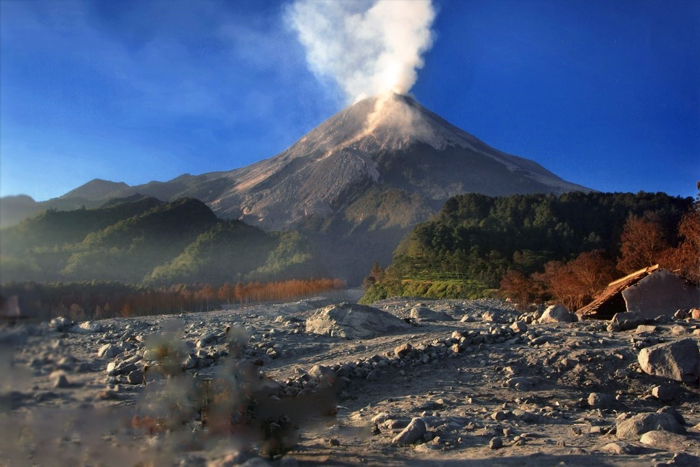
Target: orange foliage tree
<point x="643" y="243"/>
<point x="685" y="258"/>
<point x="519" y="287"/>
<point x="577" y="282"/>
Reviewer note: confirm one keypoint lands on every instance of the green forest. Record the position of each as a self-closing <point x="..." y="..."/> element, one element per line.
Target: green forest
<point x="144" y="241"/>
<point x="478" y="246"/>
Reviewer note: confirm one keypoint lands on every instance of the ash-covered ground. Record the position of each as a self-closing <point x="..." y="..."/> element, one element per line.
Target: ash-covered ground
<point x="447" y="382"/>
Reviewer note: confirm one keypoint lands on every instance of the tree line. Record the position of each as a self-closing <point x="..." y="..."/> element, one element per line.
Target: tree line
<point x="541" y="247"/>
<point x="99" y="300"/>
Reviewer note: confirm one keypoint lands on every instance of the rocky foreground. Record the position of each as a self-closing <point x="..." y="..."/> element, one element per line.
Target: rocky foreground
<point x="444" y="382"/>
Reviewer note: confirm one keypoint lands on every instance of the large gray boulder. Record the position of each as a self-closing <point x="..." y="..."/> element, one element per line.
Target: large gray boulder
<point x="353" y="322"/>
<point x="557" y="314"/>
<point x="679" y="361"/>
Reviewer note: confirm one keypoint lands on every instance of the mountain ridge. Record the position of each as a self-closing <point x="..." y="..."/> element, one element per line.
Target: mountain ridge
<point x="334" y="177"/>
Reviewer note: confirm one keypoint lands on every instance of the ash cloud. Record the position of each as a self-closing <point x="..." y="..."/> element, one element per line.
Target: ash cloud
<point x="370" y="47"/>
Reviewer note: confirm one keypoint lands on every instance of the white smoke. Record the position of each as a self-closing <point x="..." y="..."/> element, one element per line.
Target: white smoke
<point x="369" y="47"/>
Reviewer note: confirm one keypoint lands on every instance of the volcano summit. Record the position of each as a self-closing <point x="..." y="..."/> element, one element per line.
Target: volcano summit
<point x="357" y="182"/>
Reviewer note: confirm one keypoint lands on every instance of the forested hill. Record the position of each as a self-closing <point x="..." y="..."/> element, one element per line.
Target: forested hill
<point x="141" y="240"/>
<point x="475" y="239"/>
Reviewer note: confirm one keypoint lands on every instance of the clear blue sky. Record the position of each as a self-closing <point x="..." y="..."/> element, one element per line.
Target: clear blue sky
<point x="602" y="93"/>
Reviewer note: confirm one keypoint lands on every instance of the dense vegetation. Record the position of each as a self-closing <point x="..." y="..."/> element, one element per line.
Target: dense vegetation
<point x="478" y="241"/>
<point x="144" y="241"/>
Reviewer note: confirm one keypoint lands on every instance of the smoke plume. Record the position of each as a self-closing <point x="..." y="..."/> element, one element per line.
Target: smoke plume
<point x="369" y="47"/>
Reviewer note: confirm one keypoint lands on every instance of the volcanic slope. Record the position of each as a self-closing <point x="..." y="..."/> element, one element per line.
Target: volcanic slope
<point x="360" y="180"/>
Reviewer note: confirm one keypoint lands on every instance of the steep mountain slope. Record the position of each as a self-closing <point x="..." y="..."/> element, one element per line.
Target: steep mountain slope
<point x="392" y="142"/>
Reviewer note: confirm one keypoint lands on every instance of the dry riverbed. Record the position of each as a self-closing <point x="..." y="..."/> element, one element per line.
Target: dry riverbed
<point x="455" y="383"/>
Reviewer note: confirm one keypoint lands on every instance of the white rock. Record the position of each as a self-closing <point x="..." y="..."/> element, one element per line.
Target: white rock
<point x="679" y="361"/>
<point x="557" y="314"/>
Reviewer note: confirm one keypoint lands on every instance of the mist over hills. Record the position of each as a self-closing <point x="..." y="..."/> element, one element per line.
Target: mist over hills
<point x="355" y="184"/>
<point x="141" y="240"/>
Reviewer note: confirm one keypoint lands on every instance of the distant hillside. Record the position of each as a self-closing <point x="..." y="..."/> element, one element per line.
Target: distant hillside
<point x="474" y="239"/>
<point x="143" y="240"/>
<point x="15" y="208"/>
<point x="96" y="189"/>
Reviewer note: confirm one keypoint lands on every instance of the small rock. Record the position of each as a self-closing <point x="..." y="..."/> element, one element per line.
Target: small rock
<point x="422" y="313"/>
<point x="412" y="433"/>
<point x="518" y="326"/>
<point x="602" y="401"/>
<point x="619" y="448"/>
<point x="88" y="327"/>
<point x="317" y="371"/>
<point x="681" y="314"/>
<point x="679" y="361"/>
<point x="646" y="329"/>
<point x="109" y="351"/>
<point x="496" y="443"/>
<point x="683" y="459"/>
<point x="673" y="412"/>
<point x="627" y="320"/>
<point x="402" y="350"/>
<point x="333" y="442"/>
<point x="135" y="377"/>
<point x="678" y="330"/>
<point x="381" y="418"/>
<point x="61" y="324"/>
<point x="695" y="313"/>
<point x="59" y="380"/>
<point x="664" y="392"/>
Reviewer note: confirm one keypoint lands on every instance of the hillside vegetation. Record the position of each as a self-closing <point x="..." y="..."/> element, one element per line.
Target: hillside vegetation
<point x="141" y="240"/>
<point x="475" y="241"/>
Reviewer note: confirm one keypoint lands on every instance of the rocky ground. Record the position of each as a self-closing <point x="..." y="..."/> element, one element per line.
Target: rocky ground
<point x="446" y="382"/>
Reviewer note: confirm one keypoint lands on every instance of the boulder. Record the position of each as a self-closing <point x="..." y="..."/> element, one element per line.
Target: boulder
<point x="87" y="327"/>
<point x="661" y="294"/>
<point x="353" y="322"/>
<point x="557" y="314"/>
<point x="627" y="320"/>
<point x="603" y="401"/>
<point x="412" y="433"/>
<point x="402" y="349"/>
<point x="619" y="448"/>
<point x="664" y="392"/>
<point x="665" y="440"/>
<point x="109" y="351"/>
<point x="634" y="427"/>
<point x="422" y="313"/>
<point x="60" y="324"/>
<point x="679" y="361"/>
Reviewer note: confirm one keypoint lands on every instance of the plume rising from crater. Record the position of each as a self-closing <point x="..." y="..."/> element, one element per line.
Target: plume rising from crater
<point x="368" y="47"/>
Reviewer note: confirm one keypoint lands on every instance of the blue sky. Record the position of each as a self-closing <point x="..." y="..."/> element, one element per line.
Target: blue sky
<point x="602" y="93"/>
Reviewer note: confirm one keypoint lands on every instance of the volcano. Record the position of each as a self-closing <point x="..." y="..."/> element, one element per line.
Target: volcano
<point x="357" y="182"/>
